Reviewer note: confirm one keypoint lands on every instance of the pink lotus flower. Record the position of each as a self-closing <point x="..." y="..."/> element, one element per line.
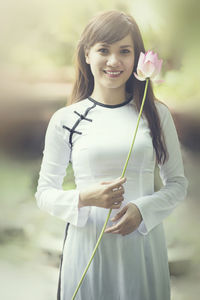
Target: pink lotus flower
<point x="149" y="66"/>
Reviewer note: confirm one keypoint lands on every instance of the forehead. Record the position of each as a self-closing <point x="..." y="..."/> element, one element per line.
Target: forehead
<point x="126" y="41"/>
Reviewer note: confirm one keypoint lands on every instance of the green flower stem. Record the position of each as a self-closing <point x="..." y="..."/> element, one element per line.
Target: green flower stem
<point x="93" y="253"/>
<point x="110" y="210"/>
<point x="136" y="129"/>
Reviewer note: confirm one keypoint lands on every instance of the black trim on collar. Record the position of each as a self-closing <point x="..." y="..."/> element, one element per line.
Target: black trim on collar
<point x="111" y="105"/>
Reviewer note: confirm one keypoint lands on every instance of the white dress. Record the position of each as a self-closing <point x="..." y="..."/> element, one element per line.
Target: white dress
<point x="96" y="138"/>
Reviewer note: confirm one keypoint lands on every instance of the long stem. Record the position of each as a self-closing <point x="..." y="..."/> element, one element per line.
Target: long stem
<point x="93" y="253"/>
<point x="136" y="129"/>
<point x="110" y="210"/>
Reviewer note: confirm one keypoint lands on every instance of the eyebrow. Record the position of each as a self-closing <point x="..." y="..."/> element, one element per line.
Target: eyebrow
<point x="126" y="46"/>
<point x="123" y="46"/>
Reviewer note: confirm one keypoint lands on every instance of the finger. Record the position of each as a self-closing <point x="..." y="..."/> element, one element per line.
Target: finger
<point x="116" y="205"/>
<point x="119" y="226"/>
<point x="106" y="182"/>
<point x="113" y="182"/>
<point x="114" y="232"/>
<point x="113" y="228"/>
<point x="118" y="191"/>
<point x="117" y="199"/>
<point x="119" y="214"/>
<point x="117" y="183"/>
<point x="118" y="231"/>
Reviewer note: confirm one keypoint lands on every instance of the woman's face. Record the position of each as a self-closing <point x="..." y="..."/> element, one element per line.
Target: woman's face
<point x="111" y="64"/>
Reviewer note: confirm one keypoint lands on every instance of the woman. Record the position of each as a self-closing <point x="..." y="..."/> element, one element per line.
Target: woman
<point x="95" y="133"/>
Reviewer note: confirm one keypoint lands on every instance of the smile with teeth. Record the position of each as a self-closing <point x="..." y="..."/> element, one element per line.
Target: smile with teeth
<point x="113" y="73"/>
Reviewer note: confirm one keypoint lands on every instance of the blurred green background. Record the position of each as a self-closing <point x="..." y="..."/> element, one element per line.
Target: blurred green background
<point x="37" y="44"/>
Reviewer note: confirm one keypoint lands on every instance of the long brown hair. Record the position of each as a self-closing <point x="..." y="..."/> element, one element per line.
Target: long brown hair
<point x="102" y="28"/>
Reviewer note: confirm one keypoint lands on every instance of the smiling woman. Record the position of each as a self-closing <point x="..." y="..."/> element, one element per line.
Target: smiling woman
<point x="111" y="61"/>
<point x="95" y="133"/>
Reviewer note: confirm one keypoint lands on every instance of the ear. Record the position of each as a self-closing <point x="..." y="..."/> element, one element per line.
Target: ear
<point x="87" y="56"/>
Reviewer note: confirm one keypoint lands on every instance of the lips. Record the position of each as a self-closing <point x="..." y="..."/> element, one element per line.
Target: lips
<point x="113" y="73"/>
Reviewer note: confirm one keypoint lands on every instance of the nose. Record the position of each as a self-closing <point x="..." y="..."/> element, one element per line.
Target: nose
<point x="113" y="61"/>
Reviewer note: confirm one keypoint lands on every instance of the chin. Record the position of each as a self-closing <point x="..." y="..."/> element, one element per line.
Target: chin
<point x="113" y="84"/>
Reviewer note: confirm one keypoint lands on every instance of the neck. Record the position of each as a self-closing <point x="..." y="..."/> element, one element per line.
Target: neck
<point x="109" y="96"/>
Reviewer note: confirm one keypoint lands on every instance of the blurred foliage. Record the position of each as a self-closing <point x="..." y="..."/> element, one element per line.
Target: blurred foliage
<point x="22" y="224"/>
<point x="41" y="36"/>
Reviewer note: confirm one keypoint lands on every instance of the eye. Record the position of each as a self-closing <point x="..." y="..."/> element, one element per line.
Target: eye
<point x="125" y="51"/>
<point x="103" y="50"/>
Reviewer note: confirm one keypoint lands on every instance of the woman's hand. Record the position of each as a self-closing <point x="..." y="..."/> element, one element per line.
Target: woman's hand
<point x="130" y="218"/>
<point x="107" y="194"/>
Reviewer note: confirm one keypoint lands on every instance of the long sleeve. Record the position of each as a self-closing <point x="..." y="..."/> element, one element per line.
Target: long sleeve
<point x="154" y="208"/>
<point x="50" y="195"/>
